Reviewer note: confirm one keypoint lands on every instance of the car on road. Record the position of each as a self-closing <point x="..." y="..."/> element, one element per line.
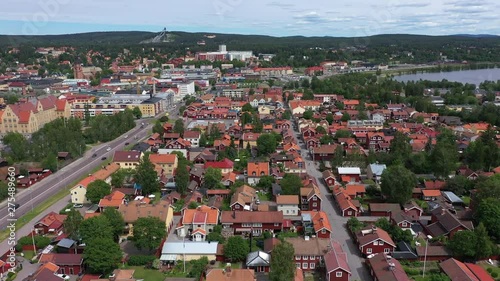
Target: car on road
<point x="16" y="206"/>
<point x="94" y="155"/>
<point x="104" y="158"/>
<point x="77" y="206"/>
<point x="126" y="136"/>
<point x="127" y="143"/>
<point x="108" y="149"/>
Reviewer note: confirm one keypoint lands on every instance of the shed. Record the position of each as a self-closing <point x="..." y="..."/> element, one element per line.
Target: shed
<point x="173" y="251"/>
<point x="452" y="198"/>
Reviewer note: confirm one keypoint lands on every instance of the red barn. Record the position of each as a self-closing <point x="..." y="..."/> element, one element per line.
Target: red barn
<point x="51" y="223"/>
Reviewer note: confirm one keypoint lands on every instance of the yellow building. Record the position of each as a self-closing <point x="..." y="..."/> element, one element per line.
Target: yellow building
<point x="139" y="209"/>
<point x="30" y="116"/>
<point x="127" y="159"/>
<point x="79" y="192"/>
<point x="168" y="162"/>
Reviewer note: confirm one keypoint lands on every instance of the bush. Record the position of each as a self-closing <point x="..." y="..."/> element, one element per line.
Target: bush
<point x="140" y="260"/>
<point x="40" y="242"/>
<point x="489" y="269"/>
<point x="494" y="274"/>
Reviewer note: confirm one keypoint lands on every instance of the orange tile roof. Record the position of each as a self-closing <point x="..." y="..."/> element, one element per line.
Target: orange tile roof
<point x="162" y="158"/>
<point x="287" y="199"/>
<point x="50" y="266"/>
<point x="258" y="168"/>
<point x="320" y="220"/>
<point x="106" y="172"/>
<point x="431" y="192"/>
<point x="115" y="199"/>
<point x="212" y="215"/>
<point x="52" y="217"/>
<point x="354" y="189"/>
<point x="85" y="182"/>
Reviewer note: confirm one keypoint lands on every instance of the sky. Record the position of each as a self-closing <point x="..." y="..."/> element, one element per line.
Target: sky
<point x="351" y="18"/>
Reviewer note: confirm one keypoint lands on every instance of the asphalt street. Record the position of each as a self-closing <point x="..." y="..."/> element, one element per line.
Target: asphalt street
<point x="41" y="191"/>
<point x="338" y="223"/>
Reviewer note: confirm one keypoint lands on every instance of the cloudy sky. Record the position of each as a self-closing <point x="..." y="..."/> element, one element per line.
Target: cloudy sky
<point x="270" y="17"/>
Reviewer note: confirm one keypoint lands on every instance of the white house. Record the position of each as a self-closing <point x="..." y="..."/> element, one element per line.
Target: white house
<point x="288" y="204"/>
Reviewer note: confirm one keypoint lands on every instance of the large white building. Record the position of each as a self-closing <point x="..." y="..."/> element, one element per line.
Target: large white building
<point x="184" y="89"/>
<point x="223" y="54"/>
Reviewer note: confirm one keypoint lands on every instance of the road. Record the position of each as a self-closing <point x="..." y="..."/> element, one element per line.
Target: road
<point x="338" y="223"/>
<point x="51" y="185"/>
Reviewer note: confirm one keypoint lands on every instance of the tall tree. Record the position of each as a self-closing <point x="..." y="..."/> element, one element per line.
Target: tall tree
<point x="102" y="255"/>
<point x="96" y="227"/>
<point x="488" y="213"/>
<point x="179" y="126"/>
<point x="444" y="156"/>
<point x="137" y="112"/>
<point x="484" y="246"/>
<point x="266" y="144"/>
<point x="398" y="183"/>
<point x="18" y="147"/>
<point x="147" y="177"/>
<point x="212" y="178"/>
<point x="282" y="262"/>
<point x="148" y="233"/>
<point x="400" y="148"/>
<point x="236" y="249"/>
<point x="158" y="127"/>
<point x="291" y="184"/>
<point x="97" y="190"/>
<point x="182" y="177"/>
<point x="115" y="221"/>
<point x="72" y="224"/>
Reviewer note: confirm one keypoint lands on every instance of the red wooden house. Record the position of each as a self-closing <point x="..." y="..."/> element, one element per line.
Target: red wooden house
<point x="336" y="265"/>
<point x="51" y="223"/>
<point x="374" y="241"/>
<point x="255" y="222"/>
<point x="347" y="207"/>
<point x="310" y="198"/>
<point x="71" y="264"/>
<point x="329" y="178"/>
<point x="320" y="224"/>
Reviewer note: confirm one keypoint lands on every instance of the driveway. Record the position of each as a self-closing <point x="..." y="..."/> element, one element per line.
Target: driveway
<point x="339" y="230"/>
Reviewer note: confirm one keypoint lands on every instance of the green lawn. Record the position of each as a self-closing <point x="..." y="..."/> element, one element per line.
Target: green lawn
<point x="147" y="274"/>
<point x="486" y="266"/>
<point x="28" y="255"/>
<point x="264" y="196"/>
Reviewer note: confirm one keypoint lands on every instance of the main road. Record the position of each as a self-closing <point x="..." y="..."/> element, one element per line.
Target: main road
<point x="41" y="191"/>
<point x="338" y="223"/>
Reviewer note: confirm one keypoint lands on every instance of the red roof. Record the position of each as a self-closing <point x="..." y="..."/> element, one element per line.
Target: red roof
<point x="336" y="259"/>
<point x="479" y="272"/>
<point x="224" y="164"/>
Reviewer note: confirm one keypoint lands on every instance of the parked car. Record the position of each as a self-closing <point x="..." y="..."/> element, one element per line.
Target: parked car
<point x="94" y="155"/>
<point x="104" y="158"/>
<point x="127" y="143"/>
<point x="16" y="206"/>
<point x="77" y="206"/>
<point x="108" y="149"/>
<point x="64" y="276"/>
<point x="126" y="136"/>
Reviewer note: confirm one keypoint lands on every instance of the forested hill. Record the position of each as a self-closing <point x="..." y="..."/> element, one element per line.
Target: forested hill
<point x="236" y="41"/>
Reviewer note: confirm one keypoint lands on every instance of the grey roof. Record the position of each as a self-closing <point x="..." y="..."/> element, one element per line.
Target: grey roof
<point x="66" y="243"/>
<point x="276" y="189"/>
<point x="452" y="197"/>
<point x="189" y="248"/>
<point x="404" y="251"/>
<point x="258" y="258"/>
<point x="306" y="217"/>
<point x="377" y="169"/>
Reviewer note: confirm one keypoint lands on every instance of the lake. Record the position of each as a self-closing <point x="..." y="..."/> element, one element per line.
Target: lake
<point x="464" y="76"/>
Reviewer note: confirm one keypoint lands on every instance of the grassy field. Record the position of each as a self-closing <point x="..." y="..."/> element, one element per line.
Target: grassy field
<point x="147" y="274"/>
<point x="486" y="266"/>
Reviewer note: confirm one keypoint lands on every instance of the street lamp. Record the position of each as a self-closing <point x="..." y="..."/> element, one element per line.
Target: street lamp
<point x="425" y="254"/>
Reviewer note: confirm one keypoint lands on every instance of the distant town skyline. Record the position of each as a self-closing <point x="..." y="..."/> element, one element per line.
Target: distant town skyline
<point x="351" y="18"/>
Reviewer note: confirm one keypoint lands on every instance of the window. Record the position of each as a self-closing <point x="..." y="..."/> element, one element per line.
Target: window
<point x="315" y="198"/>
<point x="338" y="274"/>
<point x="277" y="224"/>
<point x="404" y="224"/>
<point x="304" y="265"/>
<point x="369" y="250"/>
<point x="381" y="243"/>
<point x="305" y="257"/>
<point x="315" y="204"/>
<point x="312" y="265"/>
<point x="297" y="258"/>
<point x="386" y="250"/>
<point x="349" y="213"/>
<point x="323" y="231"/>
<point x="312" y="258"/>
<point x="236" y="206"/>
<point x="375" y="243"/>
